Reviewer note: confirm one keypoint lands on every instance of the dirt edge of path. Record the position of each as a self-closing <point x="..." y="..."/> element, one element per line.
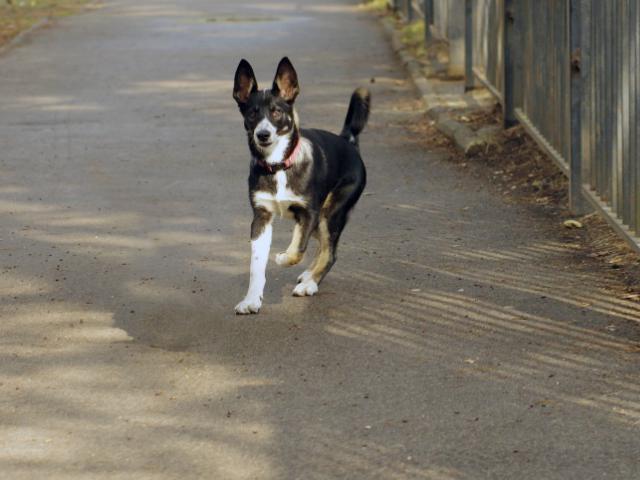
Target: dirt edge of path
<point x="18" y="17"/>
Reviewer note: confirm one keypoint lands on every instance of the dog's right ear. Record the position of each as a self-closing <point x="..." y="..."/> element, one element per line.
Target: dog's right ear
<point x="245" y="82"/>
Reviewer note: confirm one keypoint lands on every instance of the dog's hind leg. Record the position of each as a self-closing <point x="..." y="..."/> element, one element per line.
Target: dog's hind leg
<point x="333" y="218"/>
<point x="304" y="276"/>
<point x="307" y="286"/>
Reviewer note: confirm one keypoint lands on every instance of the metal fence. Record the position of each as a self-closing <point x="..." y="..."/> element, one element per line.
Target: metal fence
<point x="610" y="109"/>
<point x="542" y="87"/>
<point x="410" y="9"/>
<point x="486" y="42"/>
<point x="443" y="21"/>
<point x="569" y="72"/>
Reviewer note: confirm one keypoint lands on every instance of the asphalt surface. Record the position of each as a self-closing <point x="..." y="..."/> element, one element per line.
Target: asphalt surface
<point x="456" y="338"/>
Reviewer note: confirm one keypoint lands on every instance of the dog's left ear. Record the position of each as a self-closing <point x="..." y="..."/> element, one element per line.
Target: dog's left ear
<point x="285" y="84"/>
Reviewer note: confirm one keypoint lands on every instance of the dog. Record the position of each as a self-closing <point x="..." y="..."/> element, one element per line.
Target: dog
<point x="312" y="176"/>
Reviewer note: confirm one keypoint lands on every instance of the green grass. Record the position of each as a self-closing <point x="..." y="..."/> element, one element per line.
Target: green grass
<point x="412" y="35"/>
<point x="378" y="5"/>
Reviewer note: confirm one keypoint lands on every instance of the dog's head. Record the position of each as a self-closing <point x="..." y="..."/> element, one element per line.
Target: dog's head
<point x="269" y="117"/>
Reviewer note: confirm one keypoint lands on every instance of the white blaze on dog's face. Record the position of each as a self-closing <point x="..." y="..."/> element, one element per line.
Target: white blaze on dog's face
<point x="269" y="116"/>
<point x="270" y="141"/>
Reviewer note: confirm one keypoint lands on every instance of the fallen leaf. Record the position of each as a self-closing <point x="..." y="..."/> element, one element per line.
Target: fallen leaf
<point x="572" y="224"/>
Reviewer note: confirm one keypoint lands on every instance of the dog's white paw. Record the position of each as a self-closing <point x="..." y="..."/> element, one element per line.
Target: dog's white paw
<point x="249" y="305"/>
<point x="282" y="259"/>
<point x="304" y="276"/>
<point x="305" y="289"/>
<point x="285" y="260"/>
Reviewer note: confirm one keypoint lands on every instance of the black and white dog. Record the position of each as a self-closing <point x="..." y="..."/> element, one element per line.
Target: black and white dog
<point x="312" y="176"/>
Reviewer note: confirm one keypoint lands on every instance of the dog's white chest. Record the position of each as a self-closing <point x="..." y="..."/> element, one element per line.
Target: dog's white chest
<point x="279" y="202"/>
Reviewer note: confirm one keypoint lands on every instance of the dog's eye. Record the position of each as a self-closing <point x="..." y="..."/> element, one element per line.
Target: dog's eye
<point x="251" y="114"/>
<point x="276" y="113"/>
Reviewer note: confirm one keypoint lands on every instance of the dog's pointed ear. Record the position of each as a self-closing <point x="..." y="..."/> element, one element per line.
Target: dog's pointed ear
<point x="245" y="82"/>
<point x="285" y="84"/>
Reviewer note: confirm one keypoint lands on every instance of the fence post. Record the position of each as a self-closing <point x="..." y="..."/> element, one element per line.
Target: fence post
<point x="468" y="45"/>
<point x="428" y="20"/>
<point x="511" y="43"/>
<point x="578" y="71"/>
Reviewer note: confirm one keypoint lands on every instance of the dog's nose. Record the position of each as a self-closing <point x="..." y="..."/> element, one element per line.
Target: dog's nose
<point x="263" y="135"/>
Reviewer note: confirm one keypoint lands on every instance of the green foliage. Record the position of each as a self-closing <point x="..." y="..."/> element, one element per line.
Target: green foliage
<point x="412" y="35"/>
<point x="380" y="5"/>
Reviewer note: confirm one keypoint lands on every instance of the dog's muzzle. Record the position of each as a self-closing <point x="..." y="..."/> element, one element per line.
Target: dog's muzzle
<point x="263" y="137"/>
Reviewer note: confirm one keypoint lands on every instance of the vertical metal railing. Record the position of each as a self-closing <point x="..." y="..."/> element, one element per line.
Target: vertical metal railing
<point x="427" y="8"/>
<point x="408" y="10"/>
<point x="610" y="109"/>
<point x="577" y="93"/>
<point x="512" y="52"/>
<point x="487" y="34"/>
<point x="568" y="71"/>
<point x="443" y="21"/>
<point x="468" y="46"/>
<point x="543" y="89"/>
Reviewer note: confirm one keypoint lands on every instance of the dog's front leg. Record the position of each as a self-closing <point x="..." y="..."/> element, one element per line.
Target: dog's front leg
<point x="306" y="222"/>
<point x="261" y="231"/>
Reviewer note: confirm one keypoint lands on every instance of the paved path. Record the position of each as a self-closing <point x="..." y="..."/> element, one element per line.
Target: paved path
<point x="455" y="338"/>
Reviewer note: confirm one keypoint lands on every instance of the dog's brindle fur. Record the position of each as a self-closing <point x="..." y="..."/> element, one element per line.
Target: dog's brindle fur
<point x="325" y="179"/>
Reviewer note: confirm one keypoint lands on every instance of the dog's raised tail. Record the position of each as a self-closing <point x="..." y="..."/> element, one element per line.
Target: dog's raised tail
<point x="357" y="115"/>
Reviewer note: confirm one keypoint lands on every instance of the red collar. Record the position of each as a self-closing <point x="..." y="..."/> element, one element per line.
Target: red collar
<point x="286" y="164"/>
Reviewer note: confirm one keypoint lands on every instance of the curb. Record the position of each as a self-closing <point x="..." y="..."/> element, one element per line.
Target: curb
<point x="467" y="140"/>
<point x="22" y="37"/>
<point x="413" y="67"/>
